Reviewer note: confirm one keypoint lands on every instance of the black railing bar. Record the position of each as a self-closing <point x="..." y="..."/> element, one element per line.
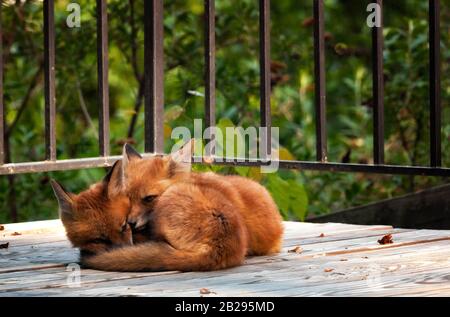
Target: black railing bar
<point x="210" y="63"/>
<point x="154" y="75"/>
<point x="435" y="83"/>
<point x="102" y="71"/>
<point x="98" y="162"/>
<point x="265" y="74"/>
<point x="378" y="88"/>
<point x="49" y="74"/>
<point x="2" y="106"/>
<point x="210" y="66"/>
<point x="320" y="81"/>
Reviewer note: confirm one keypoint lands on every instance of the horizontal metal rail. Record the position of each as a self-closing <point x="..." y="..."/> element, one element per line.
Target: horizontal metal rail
<point x="96" y="162"/>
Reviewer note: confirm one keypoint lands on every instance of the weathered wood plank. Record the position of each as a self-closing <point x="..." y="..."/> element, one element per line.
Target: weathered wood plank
<point x="308" y="230"/>
<point x="343" y="262"/>
<point x="266" y="283"/>
<point x="52" y="248"/>
<point x="291" y="281"/>
<point x="249" y="268"/>
<point x="45" y="226"/>
<point x="33" y="233"/>
<point x="60" y="252"/>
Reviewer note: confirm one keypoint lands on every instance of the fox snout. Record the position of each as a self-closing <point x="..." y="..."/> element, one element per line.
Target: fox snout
<point x="137" y="222"/>
<point x="139" y="216"/>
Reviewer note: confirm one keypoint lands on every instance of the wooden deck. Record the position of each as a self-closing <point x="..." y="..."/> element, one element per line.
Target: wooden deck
<point x="345" y="261"/>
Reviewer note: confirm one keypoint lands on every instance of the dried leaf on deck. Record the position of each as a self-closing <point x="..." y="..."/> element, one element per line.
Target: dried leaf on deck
<point x="297" y="250"/>
<point x="205" y="291"/>
<point x="387" y="239"/>
<point x="4" y="245"/>
<point x="322" y="235"/>
<point x="16" y="234"/>
<point x="2" y="228"/>
<point x="328" y="270"/>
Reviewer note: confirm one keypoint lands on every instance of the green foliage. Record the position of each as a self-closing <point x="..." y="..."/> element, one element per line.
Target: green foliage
<point x="290" y="196"/>
<point x="349" y="84"/>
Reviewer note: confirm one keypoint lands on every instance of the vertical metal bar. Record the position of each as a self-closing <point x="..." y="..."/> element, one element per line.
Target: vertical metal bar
<point x="2" y="107"/>
<point x="50" y="101"/>
<point x="320" y="85"/>
<point x="154" y="75"/>
<point x="210" y="66"/>
<point x="102" y="71"/>
<point x="435" y="83"/>
<point x="265" y="75"/>
<point x="378" y="88"/>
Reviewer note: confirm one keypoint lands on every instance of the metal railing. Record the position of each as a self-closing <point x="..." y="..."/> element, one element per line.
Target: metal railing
<point x="154" y="93"/>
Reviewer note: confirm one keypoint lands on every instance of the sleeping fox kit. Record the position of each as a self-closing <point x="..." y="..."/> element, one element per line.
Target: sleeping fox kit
<point x="96" y="219"/>
<point x="176" y="219"/>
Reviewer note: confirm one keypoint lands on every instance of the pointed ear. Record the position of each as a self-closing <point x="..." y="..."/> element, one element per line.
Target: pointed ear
<point x="64" y="198"/>
<point x="180" y="161"/>
<point x="129" y="155"/>
<point x="111" y="172"/>
<point x="113" y="179"/>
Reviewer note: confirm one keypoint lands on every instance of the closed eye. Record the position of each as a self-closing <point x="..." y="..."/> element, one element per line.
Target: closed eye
<point x="148" y="199"/>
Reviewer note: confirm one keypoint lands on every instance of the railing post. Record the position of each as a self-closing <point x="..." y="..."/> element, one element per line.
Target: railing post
<point x="435" y="83"/>
<point x="49" y="68"/>
<point x="2" y="106"/>
<point x="154" y="75"/>
<point x="378" y="88"/>
<point x="265" y="75"/>
<point x="320" y="83"/>
<point x="102" y="71"/>
<point x="210" y="68"/>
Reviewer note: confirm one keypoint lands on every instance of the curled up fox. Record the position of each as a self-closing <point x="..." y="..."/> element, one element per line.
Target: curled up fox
<point x="156" y="214"/>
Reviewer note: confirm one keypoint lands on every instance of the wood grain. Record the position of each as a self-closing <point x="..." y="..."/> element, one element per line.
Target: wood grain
<point x="337" y="260"/>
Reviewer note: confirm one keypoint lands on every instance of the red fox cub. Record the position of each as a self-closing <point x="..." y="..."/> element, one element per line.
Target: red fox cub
<point x="196" y="222"/>
<point x="96" y="219"/>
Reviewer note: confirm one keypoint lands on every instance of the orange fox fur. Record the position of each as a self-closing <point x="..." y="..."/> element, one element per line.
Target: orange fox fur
<point x="196" y="222"/>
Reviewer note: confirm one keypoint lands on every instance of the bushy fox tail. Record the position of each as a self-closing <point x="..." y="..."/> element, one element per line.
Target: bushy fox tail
<point x="160" y="256"/>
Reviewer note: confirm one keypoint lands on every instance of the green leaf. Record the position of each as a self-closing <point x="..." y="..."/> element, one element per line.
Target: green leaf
<point x="289" y="195"/>
<point x="298" y="199"/>
<point x="173" y="113"/>
<point x="279" y="189"/>
<point x="242" y="170"/>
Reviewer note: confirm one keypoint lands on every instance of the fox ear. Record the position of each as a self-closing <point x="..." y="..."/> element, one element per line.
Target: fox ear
<point x="112" y="172"/>
<point x="180" y="161"/>
<point x="113" y="179"/>
<point x="64" y="198"/>
<point x="129" y="155"/>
